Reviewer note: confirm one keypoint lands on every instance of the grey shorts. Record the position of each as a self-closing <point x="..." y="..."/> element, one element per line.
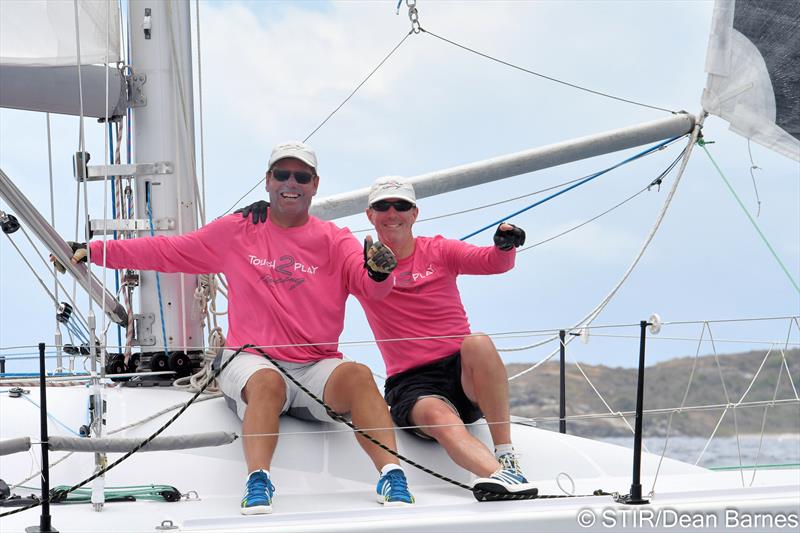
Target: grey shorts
<point x="314" y="376"/>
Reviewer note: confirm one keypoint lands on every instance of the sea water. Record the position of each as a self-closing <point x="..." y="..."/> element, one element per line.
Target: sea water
<point x="745" y="450"/>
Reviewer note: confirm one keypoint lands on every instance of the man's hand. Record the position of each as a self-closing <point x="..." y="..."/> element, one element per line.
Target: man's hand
<point x="508" y="236"/>
<point x="257" y="209"/>
<point x="79" y="253"/>
<point x="379" y="260"/>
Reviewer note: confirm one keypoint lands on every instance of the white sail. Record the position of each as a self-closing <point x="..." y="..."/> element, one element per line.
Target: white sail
<point x="752" y="66"/>
<point x="42" y="32"/>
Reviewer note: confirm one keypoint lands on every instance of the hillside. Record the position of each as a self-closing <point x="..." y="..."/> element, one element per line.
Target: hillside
<point x="536" y="395"/>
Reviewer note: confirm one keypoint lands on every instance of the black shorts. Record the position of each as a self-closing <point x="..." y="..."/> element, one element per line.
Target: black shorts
<point x="441" y="378"/>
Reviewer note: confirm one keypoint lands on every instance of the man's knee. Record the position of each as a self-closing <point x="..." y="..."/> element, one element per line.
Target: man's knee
<point x="479" y="349"/>
<point x="265" y="388"/>
<point x="436" y="419"/>
<point x="357" y="376"/>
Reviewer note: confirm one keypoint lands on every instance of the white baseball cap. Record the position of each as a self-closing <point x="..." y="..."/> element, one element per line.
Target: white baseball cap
<point x="296" y="150"/>
<point x="391" y="187"/>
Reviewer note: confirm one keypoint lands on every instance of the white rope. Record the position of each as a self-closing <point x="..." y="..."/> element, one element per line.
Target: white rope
<point x="783" y="355"/>
<point x="666" y="338"/>
<point x="610" y="410"/>
<point x="719" y="366"/>
<point x="53" y="223"/>
<point x="758" y="372"/>
<point x="588" y="319"/>
<point x="703" y="451"/>
<point x="82" y="147"/>
<point x="671" y="415"/>
<point x="728" y="400"/>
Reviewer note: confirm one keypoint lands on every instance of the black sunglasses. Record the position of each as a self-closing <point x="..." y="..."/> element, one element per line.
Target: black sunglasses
<point x="399" y="205"/>
<point x="300" y="176"/>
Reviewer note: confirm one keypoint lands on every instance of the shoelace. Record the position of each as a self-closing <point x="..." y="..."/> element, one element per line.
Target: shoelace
<point x="259" y="485"/>
<point x="509" y="462"/>
<point x="398" y="484"/>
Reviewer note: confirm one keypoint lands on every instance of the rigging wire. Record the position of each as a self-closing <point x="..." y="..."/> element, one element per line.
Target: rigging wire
<point x="753" y="177"/>
<point x="52" y="210"/>
<point x="379" y="65"/>
<point x="749" y="216"/>
<point x="529" y="333"/>
<point x="620" y="204"/>
<point x="550" y="78"/>
<point x="330" y="115"/>
<point x="485" y="206"/>
<point x="587" y="179"/>
<point x="82" y="152"/>
<point x="589" y="318"/>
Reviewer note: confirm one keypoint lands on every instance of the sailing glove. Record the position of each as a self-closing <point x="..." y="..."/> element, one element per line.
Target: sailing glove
<point x="379" y="260"/>
<point x="506" y="239"/>
<point x="257" y="209"/>
<point x="79" y="253"/>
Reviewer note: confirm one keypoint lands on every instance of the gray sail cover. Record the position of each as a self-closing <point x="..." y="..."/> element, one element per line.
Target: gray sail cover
<point x="753" y="67"/>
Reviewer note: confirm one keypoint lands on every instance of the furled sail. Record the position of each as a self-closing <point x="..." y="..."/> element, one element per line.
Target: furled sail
<point x="753" y="66"/>
<point x="42" y="32"/>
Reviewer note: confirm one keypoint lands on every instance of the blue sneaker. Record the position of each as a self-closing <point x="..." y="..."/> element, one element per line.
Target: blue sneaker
<point x="508" y="480"/>
<point x="258" y="494"/>
<point x="393" y="489"/>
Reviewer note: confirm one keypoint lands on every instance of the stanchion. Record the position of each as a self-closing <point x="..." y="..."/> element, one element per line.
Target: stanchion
<point x="45" y="525"/>
<point x="635" y="497"/>
<point x="562" y="387"/>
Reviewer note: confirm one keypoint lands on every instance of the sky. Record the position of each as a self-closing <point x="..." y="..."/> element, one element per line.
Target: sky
<point x="272" y="71"/>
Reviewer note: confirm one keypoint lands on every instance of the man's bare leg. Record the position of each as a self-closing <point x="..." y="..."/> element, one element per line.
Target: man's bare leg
<point x="351" y="388"/>
<point x="485" y="382"/>
<point x="440" y="422"/>
<point x="265" y="394"/>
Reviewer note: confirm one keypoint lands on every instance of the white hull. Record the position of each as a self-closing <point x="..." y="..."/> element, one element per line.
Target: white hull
<point x="325" y="483"/>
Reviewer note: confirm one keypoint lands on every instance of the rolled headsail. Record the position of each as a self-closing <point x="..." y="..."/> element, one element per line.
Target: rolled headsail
<point x="753" y="66"/>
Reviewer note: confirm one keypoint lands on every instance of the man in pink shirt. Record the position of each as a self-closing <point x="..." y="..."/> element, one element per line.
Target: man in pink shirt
<point x="288" y="279"/>
<point x="444" y="376"/>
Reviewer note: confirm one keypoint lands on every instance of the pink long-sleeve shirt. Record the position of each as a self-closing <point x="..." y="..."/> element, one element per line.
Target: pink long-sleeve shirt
<point x="286" y="286"/>
<point x="425" y="301"/>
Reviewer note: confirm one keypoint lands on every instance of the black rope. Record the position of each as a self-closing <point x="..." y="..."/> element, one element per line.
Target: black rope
<point x="480" y="495"/>
<point x="61" y="494"/>
<point x="574" y="86"/>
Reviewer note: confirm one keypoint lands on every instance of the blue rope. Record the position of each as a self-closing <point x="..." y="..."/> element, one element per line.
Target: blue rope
<point x="54" y="419"/>
<point x="587" y="179"/>
<point x="114" y="216"/>
<point x="158" y="276"/>
<point x="72" y="328"/>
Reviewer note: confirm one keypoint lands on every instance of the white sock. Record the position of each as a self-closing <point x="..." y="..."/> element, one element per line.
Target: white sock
<point x="388" y="468"/>
<point x="259" y="470"/>
<point x="502" y="449"/>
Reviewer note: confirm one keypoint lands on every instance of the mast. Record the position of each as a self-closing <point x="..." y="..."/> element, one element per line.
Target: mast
<point x="163" y="131"/>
